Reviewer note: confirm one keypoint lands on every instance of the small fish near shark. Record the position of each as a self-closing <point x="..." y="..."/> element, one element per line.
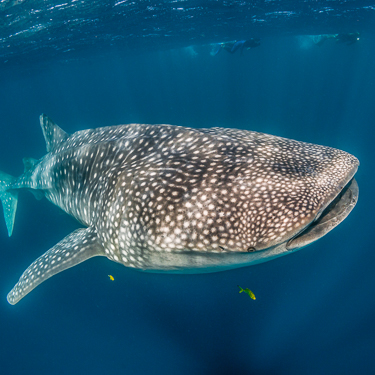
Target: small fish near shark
<point x="166" y="198"/>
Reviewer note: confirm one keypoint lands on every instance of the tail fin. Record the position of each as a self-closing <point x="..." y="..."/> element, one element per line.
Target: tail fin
<point x="9" y="199"/>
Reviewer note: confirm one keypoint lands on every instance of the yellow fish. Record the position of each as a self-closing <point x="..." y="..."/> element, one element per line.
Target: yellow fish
<point x="248" y="292"/>
<point x="111" y="277"/>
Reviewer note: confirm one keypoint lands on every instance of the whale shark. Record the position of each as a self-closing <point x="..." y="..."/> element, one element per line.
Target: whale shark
<point x="166" y="198"/>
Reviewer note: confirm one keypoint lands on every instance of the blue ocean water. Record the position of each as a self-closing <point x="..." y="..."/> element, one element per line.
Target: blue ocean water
<point x="91" y="64"/>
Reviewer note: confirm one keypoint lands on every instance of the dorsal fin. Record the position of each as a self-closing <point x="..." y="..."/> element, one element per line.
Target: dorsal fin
<point x="53" y="134"/>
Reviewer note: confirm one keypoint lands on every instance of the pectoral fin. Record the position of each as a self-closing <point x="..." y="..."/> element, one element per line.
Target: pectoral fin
<point x="77" y="247"/>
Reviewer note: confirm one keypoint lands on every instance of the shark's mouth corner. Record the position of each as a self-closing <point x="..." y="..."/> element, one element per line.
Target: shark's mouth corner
<point x="333" y="215"/>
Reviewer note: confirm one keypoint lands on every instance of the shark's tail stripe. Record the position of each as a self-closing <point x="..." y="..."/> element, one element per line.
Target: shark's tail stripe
<point x="9" y="199"/>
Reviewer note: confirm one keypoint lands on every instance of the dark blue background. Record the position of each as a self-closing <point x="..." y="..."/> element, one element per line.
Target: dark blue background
<point x="314" y="312"/>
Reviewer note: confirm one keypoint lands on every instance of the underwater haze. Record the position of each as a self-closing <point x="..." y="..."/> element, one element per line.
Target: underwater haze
<point x="89" y="64"/>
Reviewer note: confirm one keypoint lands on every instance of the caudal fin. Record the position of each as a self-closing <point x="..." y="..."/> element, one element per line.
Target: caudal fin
<point x="9" y="199"/>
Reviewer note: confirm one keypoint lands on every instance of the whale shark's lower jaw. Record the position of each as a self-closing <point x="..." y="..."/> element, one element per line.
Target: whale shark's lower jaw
<point x="331" y="217"/>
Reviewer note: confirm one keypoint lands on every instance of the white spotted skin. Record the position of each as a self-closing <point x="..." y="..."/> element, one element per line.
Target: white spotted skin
<point x="169" y="198"/>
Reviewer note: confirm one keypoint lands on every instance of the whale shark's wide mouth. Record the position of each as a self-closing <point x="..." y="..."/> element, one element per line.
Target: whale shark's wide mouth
<point x="336" y="211"/>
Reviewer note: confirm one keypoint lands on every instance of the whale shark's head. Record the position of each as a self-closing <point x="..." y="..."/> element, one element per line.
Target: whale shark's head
<point x="302" y="192"/>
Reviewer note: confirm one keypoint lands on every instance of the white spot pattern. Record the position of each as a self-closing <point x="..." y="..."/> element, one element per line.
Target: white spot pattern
<point x="145" y="189"/>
